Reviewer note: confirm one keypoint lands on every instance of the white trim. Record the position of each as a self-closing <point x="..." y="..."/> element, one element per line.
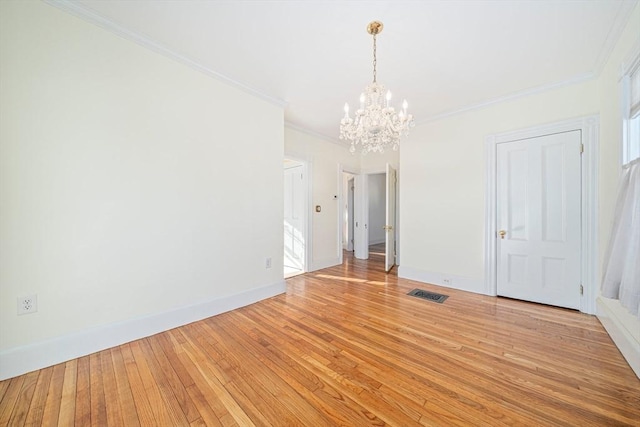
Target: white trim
<point x="361" y="216"/>
<point x="322" y="136"/>
<point x="511" y="97"/>
<point x="341" y="172"/>
<point x="454" y="282"/>
<point x="622" y="17"/>
<point x="308" y="261"/>
<point x="308" y="216"/>
<point x="623" y="329"/>
<point x="340" y="212"/>
<point x="95" y="18"/>
<point x="631" y="64"/>
<point x="20" y="360"/>
<point x="490" y="215"/>
<point x="619" y="24"/>
<point x="590" y="263"/>
<point x="589" y="127"/>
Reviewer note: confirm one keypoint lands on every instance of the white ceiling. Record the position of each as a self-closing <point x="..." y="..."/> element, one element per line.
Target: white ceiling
<point x="442" y="56"/>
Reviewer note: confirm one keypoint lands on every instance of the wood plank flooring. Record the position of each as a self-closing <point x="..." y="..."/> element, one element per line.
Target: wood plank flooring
<point x="346" y="346"/>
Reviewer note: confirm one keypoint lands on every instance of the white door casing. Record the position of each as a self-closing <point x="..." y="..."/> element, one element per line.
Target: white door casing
<point x="361" y="216"/>
<point x="538" y="219"/>
<point x="390" y="219"/>
<point x="350" y="222"/>
<point x="590" y="273"/>
<point x="294" y="205"/>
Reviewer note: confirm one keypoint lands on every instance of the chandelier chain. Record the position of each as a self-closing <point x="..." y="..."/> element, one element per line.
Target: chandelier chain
<point x="375" y="59"/>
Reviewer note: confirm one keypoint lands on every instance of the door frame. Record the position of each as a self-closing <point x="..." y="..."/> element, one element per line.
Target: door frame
<point x="589" y="269"/>
<point x="388" y="204"/>
<point x="307" y="217"/>
<point x="349" y="203"/>
<point x="364" y="195"/>
<point x="341" y="198"/>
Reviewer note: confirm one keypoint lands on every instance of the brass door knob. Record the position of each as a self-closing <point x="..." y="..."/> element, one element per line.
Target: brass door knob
<point x="502" y="233"/>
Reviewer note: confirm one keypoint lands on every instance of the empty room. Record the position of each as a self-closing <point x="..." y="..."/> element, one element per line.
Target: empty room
<point x="319" y="213"/>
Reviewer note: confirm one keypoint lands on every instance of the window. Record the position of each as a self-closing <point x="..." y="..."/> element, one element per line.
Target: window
<point x="631" y="109"/>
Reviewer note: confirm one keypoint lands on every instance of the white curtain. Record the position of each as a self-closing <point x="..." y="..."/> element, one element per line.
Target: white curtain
<point x="621" y="278"/>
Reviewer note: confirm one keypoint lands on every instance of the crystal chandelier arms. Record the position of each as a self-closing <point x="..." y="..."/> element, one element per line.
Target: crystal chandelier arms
<point x="375" y="125"/>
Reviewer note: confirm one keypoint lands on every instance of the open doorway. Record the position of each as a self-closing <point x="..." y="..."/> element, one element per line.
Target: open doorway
<point x="348" y="218"/>
<point x="368" y="214"/>
<point x="295" y="218"/>
<point x="377" y="204"/>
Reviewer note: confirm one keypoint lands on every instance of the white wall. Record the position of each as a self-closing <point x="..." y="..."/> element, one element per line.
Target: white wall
<point x="609" y="97"/>
<point x="376" y="162"/>
<point x="324" y="159"/>
<point x="443" y="169"/>
<point x="443" y="180"/>
<point x="442" y="175"/>
<point x="121" y="203"/>
<point x="623" y="328"/>
<point x="377" y="207"/>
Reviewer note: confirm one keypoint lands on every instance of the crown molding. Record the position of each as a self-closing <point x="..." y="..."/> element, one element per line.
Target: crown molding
<point x="622" y="18"/>
<point x="95" y="18"/>
<point x="631" y="62"/>
<point x="315" y="134"/>
<point x="517" y="95"/>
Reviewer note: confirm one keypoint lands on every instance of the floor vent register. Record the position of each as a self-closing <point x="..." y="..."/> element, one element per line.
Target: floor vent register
<point x="429" y="296"/>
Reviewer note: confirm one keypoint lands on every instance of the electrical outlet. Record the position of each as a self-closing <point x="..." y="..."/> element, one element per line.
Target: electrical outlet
<point x="267" y="263"/>
<point x="28" y="304"/>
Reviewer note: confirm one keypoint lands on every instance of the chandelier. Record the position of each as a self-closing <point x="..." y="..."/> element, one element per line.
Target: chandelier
<point x="376" y="125"/>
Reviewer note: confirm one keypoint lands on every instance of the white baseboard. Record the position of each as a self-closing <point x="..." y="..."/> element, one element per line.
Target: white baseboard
<point x="20" y="360"/>
<point x="377" y="241"/>
<point x="455" y="282"/>
<point x="623" y="328"/>
<point x="324" y="263"/>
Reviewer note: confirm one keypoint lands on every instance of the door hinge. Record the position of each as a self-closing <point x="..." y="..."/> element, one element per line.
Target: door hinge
<point x="581" y="148"/>
<point x="581" y="290"/>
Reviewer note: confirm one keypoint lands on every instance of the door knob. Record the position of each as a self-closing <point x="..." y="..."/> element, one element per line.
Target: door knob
<point x="502" y="233"/>
<point x="388" y="227"/>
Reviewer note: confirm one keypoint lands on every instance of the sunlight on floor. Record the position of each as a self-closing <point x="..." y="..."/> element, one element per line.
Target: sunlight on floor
<point x="291" y="271"/>
<point x="350" y="279"/>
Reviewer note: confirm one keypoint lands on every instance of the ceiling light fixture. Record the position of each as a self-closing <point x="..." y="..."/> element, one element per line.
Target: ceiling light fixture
<point x="376" y="124"/>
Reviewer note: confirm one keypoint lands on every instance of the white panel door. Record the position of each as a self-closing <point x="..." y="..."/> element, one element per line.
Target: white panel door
<point x="539" y="219"/>
<point x="390" y="220"/>
<point x="294" y="244"/>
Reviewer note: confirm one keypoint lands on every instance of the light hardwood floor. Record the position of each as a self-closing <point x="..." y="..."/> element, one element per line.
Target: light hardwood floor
<point x="346" y="346"/>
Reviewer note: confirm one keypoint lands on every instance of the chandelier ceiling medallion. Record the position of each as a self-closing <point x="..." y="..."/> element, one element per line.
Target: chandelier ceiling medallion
<point x="376" y="125"/>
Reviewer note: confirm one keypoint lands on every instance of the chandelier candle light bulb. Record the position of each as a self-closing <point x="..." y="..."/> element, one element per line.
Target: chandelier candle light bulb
<point x="375" y="125"/>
